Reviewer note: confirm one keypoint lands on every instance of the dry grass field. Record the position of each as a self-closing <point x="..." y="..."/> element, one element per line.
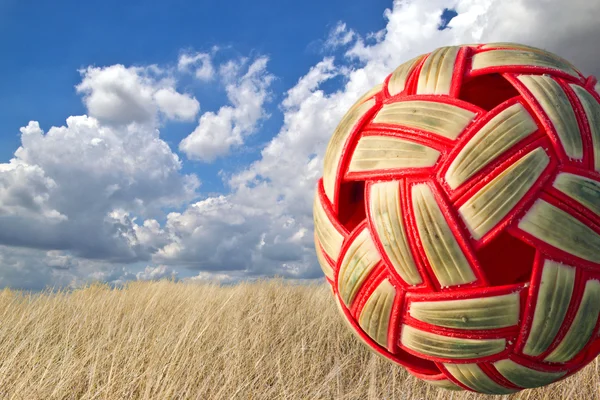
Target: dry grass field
<point x="167" y="340"/>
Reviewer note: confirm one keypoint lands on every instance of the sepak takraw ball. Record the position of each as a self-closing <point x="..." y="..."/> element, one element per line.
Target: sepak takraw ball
<point x="458" y="217"/>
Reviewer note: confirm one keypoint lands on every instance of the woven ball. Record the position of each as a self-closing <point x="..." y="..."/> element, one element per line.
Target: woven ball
<point x="458" y="217"/>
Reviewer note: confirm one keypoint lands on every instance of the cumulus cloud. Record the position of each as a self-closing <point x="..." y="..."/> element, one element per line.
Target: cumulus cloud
<point x="87" y="196"/>
<point x="121" y="95"/>
<point x="62" y="188"/>
<point x="176" y="106"/>
<point x="25" y="190"/>
<point x="339" y="36"/>
<point x="157" y="273"/>
<point x="569" y="29"/>
<point x="115" y="276"/>
<point x="150" y="234"/>
<point x="61" y="260"/>
<point x="217" y="133"/>
<point x="318" y="74"/>
<point x="198" y="63"/>
<point x="32" y="269"/>
<point x="234" y="233"/>
<point x="219" y="278"/>
<point x="229" y="278"/>
<point x="264" y="226"/>
<point x="566" y="28"/>
<point x="25" y="269"/>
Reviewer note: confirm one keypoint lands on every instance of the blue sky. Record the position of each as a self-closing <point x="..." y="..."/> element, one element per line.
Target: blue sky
<point x="144" y="139"/>
<point x="48" y="43"/>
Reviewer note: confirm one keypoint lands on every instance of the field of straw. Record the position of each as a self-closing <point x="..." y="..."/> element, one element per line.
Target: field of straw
<point x="167" y="340"/>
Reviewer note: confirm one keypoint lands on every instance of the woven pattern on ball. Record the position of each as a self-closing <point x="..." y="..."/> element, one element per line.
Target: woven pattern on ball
<point x="458" y="217"/>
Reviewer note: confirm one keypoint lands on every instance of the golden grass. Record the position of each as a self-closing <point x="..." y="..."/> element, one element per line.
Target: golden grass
<point x="166" y="340"/>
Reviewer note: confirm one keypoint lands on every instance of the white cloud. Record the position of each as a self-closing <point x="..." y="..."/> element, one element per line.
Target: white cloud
<point x="31" y="269"/>
<point x="156" y="273"/>
<point x="113" y="276"/>
<point x="175" y="105"/>
<point x="150" y="235"/>
<point x="25" y="190"/>
<point x="60" y="260"/>
<point x="22" y="268"/>
<point x="566" y="28"/>
<point x="569" y="29"/>
<point x="62" y="187"/>
<point x="72" y="194"/>
<point x="264" y="226"/>
<point x="200" y="63"/>
<point x="318" y="74"/>
<point x="340" y="36"/>
<point x="217" y="133"/>
<point x="218" y="278"/>
<point x="121" y="95"/>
